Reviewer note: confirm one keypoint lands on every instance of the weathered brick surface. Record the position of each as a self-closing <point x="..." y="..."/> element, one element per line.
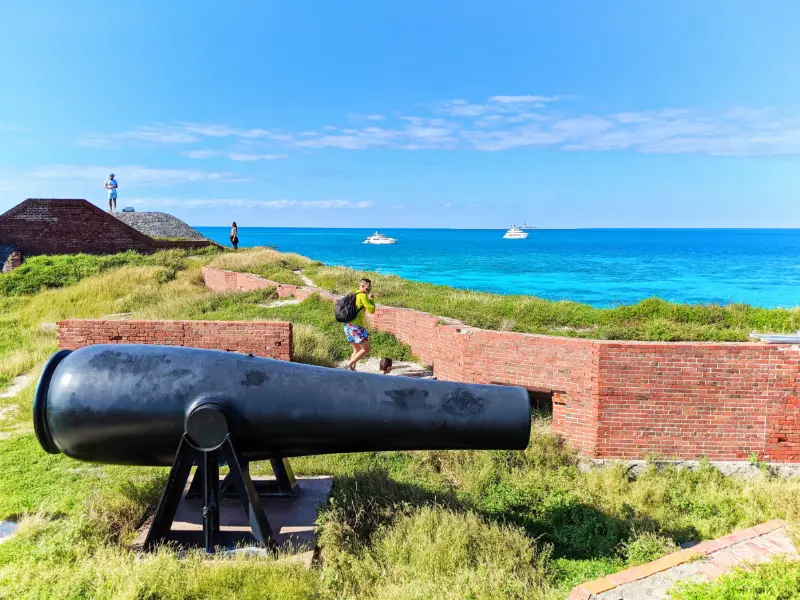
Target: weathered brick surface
<point x="69" y="226"/>
<point x="684" y="400"/>
<point x="625" y="400"/>
<point x="261" y="338"/>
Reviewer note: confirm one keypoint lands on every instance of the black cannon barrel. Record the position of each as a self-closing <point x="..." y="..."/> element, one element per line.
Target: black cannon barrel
<point x="127" y="404"/>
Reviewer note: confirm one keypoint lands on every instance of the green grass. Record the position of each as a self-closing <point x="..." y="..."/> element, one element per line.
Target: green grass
<point x="431" y="524"/>
<point x="47" y="272"/>
<point x="778" y="580"/>
<point x="165" y="285"/>
<point x="652" y="319"/>
<point x="265" y="262"/>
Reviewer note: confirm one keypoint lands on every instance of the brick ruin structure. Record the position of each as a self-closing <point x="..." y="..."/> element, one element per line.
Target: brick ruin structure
<point x="70" y="226"/>
<point x="612" y="399"/>
<point x="269" y="339"/>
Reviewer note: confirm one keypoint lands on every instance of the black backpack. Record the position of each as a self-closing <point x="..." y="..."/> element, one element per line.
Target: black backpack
<point x="346" y="310"/>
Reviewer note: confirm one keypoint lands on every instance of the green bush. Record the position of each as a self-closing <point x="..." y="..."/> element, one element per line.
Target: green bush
<point x="646" y="547"/>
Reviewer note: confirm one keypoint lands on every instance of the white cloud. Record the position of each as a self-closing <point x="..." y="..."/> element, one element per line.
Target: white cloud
<point x="461" y="108"/>
<point x="171" y="133"/>
<point x="524" y="99"/>
<point x="250" y="157"/>
<point x="199" y="154"/>
<point x="359" y="118"/>
<point x="223" y="131"/>
<point x="252" y="203"/>
<point x="149" y="134"/>
<point x="448" y="205"/>
<point x="509" y="122"/>
<point x="128" y="176"/>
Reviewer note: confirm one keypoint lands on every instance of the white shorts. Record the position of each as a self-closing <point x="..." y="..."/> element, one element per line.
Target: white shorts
<point x="112" y="194"/>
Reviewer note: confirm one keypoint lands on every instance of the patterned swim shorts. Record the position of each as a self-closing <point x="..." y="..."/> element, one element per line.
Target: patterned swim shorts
<point x="355" y="334"/>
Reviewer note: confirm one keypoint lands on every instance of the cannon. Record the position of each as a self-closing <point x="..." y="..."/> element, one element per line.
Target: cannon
<point x="172" y="406"/>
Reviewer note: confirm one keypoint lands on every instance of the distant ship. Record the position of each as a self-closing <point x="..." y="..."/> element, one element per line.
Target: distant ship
<point x="515" y="233"/>
<point x="379" y="238"/>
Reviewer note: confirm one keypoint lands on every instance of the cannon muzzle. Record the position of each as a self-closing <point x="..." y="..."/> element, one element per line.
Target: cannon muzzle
<point x="132" y="404"/>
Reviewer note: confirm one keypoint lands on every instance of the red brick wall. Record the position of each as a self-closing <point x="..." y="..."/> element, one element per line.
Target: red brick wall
<point x="567" y="367"/>
<point x="267" y="339"/>
<point x="722" y="401"/>
<point x="229" y="281"/>
<point x="617" y="399"/>
<point x="45" y="226"/>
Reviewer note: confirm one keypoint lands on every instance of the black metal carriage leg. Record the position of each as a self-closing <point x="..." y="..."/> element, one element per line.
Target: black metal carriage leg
<point x="248" y="497"/>
<point x="168" y="505"/>
<point x="284" y="476"/>
<point x="210" y="476"/>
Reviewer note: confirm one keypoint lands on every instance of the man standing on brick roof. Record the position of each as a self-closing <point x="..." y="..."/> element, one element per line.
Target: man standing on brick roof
<point x="111" y="185"/>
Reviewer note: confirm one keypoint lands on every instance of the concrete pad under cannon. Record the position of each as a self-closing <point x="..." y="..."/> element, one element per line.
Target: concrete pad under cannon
<point x="293" y="521"/>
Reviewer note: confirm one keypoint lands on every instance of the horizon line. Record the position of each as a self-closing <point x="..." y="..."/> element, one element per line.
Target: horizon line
<point x="503" y="228"/>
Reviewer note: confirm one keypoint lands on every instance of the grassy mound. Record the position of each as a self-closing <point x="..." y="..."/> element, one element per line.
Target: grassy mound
<point x="652" y="319"/>
<point x="265" y="262"/>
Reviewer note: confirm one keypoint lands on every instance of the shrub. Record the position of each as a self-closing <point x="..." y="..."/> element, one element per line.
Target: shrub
<point x="646" y="547"/>
<point x="312" y="346"/>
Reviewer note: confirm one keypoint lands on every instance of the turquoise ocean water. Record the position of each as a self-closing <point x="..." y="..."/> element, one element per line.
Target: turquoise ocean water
<point x="601" y="267"/>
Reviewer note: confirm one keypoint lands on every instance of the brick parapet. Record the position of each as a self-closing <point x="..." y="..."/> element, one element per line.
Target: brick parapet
<point x="615" y="399"/>
<point x="269" y="339"/>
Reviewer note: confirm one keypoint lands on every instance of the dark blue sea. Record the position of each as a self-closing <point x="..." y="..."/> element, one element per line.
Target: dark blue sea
<point x="601" y="267"/>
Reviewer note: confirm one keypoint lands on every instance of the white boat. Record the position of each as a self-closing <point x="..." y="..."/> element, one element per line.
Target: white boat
<point x="379" y="238"/>
<point x="515" y="233"/>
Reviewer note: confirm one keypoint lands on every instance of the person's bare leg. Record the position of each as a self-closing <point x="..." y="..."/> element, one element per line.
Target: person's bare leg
<point x="115" y="205"/>
<point x="109" y="206"/>
<point x="362" y="352"/>
<point x="351" y="362"/>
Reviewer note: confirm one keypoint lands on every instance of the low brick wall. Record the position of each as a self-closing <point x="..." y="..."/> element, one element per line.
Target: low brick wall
<point x="268" y="339"/>
<point x="611" y="399"/>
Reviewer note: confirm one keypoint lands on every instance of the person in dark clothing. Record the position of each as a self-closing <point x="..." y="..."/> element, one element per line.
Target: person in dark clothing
<point x="234" y="237"/>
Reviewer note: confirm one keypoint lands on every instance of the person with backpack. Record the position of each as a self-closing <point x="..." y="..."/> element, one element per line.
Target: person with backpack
<point x="350" y="311"/>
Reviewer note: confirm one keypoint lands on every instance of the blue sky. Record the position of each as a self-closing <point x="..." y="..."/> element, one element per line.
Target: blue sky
<point x="415" y="114"/>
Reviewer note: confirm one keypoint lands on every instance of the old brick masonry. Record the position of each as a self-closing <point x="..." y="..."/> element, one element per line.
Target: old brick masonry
<point x="268" y="339"/>
<point x="631" y="400"/>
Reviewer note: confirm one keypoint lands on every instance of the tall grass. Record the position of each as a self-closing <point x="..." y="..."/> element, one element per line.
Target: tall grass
<point x="266" y="262"/>
<point x="38" y="273"/>
<point x="652" y="319"/>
